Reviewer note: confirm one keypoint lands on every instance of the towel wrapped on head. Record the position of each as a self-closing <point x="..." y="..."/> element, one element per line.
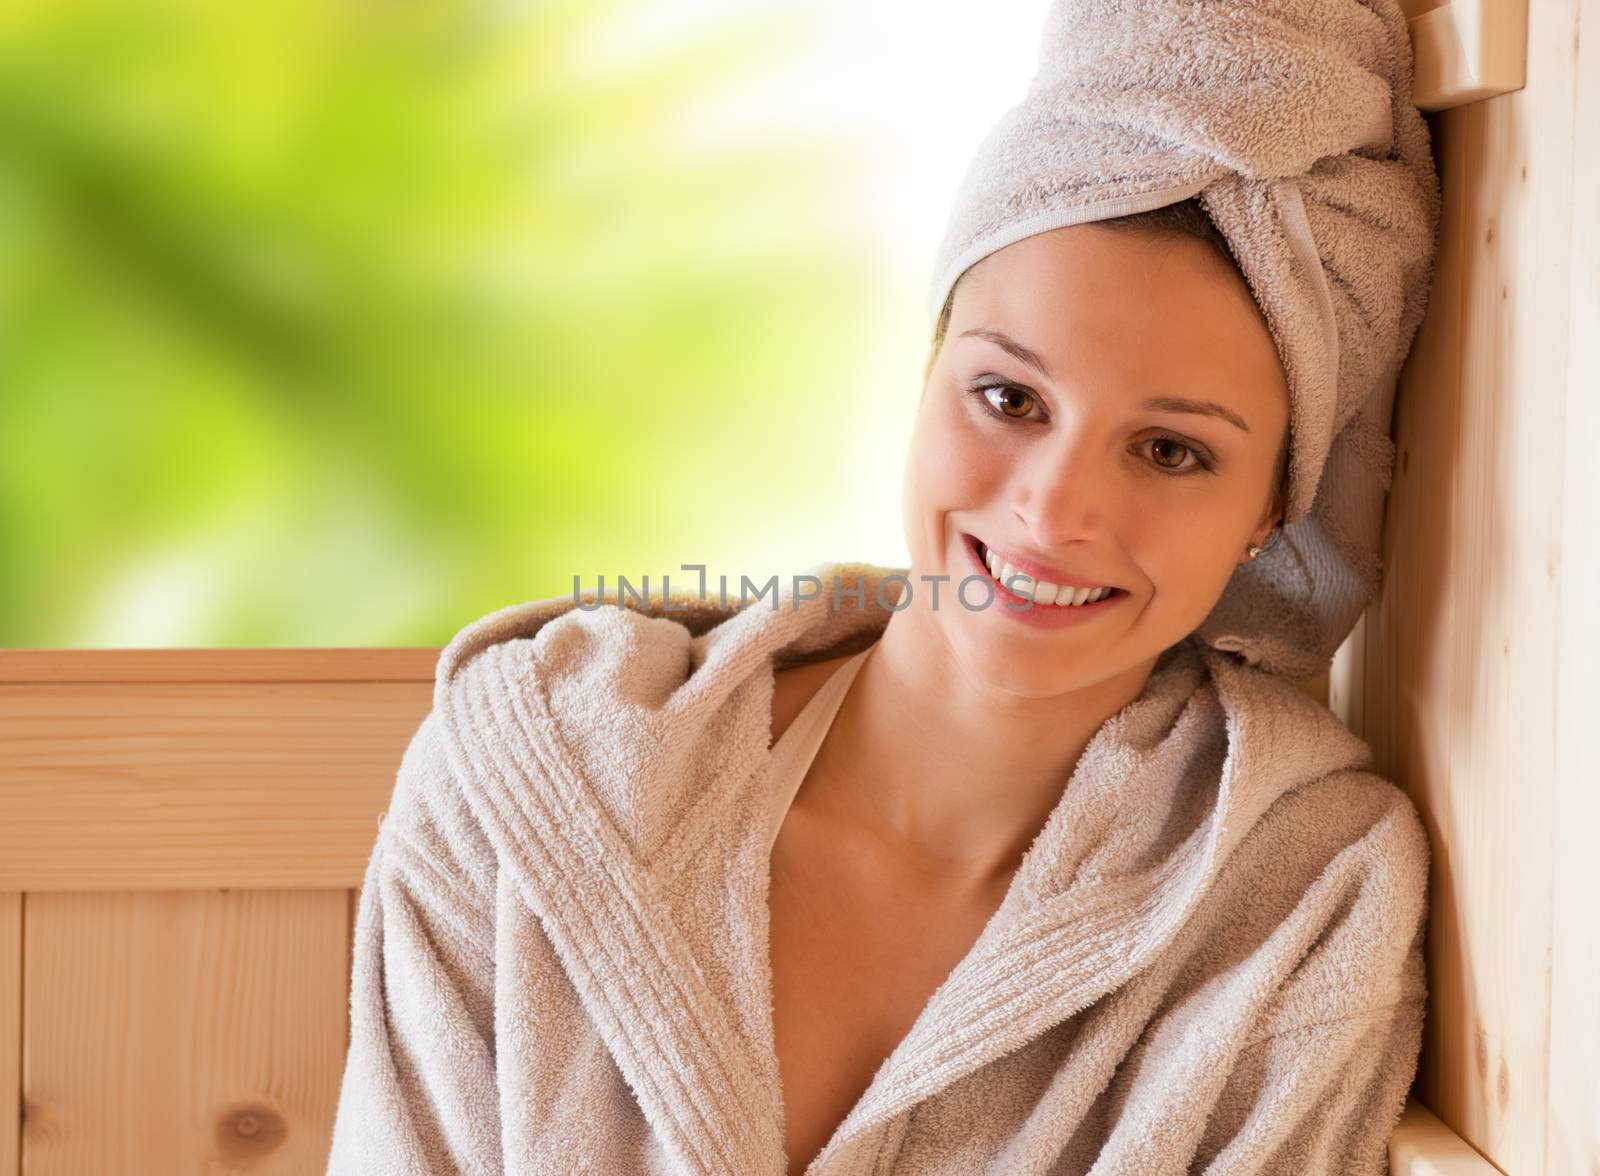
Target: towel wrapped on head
<point x="1292" y="123"/>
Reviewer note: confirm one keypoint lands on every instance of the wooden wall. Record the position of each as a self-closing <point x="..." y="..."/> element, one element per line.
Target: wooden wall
<point x="183" y="838"/>
<point x="1475" y="676"/>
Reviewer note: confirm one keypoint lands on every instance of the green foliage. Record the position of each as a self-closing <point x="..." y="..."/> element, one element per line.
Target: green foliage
<point x="340" y="322"/>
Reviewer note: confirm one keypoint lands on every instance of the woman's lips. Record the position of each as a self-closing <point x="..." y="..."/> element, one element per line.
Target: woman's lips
<point x="1035" y="572"/>
<point x="1030" y="612"/>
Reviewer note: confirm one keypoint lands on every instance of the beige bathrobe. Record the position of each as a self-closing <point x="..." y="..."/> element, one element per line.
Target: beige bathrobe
<point x="1210" y="959"/>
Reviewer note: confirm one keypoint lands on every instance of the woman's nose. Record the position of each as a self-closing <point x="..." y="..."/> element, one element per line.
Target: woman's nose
<point x="1060" y="491"/>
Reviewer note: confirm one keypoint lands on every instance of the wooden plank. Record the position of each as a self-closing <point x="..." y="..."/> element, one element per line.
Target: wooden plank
<point x="1406" y="656"/>
<point x="1573" y="1108"/>
<point x="1460" y="692"/>
<point x="1423" y="1146"/>
<point x="183" y="1032"/>
<point x="170" y="786"/>
<point x="10" y="1033"/>
<point x="217" y="665"/>
<point x="1347" y="676"/>
<point x="1466" y="50"/>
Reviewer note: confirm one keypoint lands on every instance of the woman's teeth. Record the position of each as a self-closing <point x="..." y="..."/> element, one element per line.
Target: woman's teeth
<point x="1041" y="591"/>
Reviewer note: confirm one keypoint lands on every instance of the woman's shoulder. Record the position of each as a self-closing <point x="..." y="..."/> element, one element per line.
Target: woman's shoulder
<point x="428" y="816"/>
<point x="1353" y="822"/>
<point x="1335" y="876"/>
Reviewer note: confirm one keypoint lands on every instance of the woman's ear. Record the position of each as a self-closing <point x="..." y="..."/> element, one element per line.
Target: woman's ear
<point x="1265" y="534"/>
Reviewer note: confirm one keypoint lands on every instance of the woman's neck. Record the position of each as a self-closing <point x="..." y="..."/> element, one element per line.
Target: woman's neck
<point x="947" y="770"/>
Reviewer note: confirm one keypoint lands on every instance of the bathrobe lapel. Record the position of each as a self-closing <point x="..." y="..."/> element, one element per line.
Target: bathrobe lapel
<point x="1158" y="800"/>
<point x="600" y="749"/>
<point x="603" y="749"/>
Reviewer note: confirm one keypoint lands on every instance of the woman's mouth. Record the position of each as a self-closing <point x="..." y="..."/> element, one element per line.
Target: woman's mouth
<point x="1022" y="586"/>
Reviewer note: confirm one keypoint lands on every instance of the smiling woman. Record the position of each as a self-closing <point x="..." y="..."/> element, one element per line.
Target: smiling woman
<point x="1111" y="522"/>
<point x="1037" y="435"/>
<point x="1023" y="877"/>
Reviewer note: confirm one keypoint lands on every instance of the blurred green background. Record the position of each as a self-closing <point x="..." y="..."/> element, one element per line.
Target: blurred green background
<point x="326" y="322"/>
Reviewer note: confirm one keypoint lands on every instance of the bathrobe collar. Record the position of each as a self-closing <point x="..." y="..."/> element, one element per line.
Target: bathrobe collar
<point x="600" y="748"/>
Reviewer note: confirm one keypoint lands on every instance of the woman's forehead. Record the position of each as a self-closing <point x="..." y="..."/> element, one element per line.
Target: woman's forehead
<point x="1109" y="310"/>
<point x="1119" y="267"/>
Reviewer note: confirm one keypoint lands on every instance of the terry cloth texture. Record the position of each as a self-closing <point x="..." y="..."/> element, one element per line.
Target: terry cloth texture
<point x="1209" y="960"/>
<point x="1293" y="123"/>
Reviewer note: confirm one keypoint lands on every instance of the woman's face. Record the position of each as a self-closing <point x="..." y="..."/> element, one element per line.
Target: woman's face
<point x="1090" y="467"/>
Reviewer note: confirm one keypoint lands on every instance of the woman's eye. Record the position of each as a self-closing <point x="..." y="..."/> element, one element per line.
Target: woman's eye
<point x="1161" y="451"/>
<point x="1007" y="400"/>
<point x="1015" y="403"/>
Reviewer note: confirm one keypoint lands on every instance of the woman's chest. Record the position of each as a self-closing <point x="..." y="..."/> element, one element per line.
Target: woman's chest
<point x="856" y="952"/>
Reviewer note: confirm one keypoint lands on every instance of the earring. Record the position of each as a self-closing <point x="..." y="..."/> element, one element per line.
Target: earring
<point x="1254" y="550"/>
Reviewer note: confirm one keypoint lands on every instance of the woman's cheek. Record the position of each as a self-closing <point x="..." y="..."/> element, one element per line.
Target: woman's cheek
<point x="950" y="465"/>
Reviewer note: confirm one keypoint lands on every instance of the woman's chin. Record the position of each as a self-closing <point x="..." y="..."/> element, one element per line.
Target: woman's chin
<point x="1011" y="662"/>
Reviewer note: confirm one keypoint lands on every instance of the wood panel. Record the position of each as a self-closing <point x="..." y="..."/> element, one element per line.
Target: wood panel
<point x="1466" y="50"/>
<point x="217" y="665"/>
<point x="10" y="1032"/>
<point x="1423" y="1146"/>
<point x="186" y="1032"/>
<point x="170" y="785"/>
<point x="1573" y="1116"/>
<point x="1476" y="663"/>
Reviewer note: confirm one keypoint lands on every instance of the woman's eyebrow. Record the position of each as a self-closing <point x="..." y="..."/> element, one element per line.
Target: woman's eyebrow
<point x="1201" y="407"/>
<point x="1005" y="342"/>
